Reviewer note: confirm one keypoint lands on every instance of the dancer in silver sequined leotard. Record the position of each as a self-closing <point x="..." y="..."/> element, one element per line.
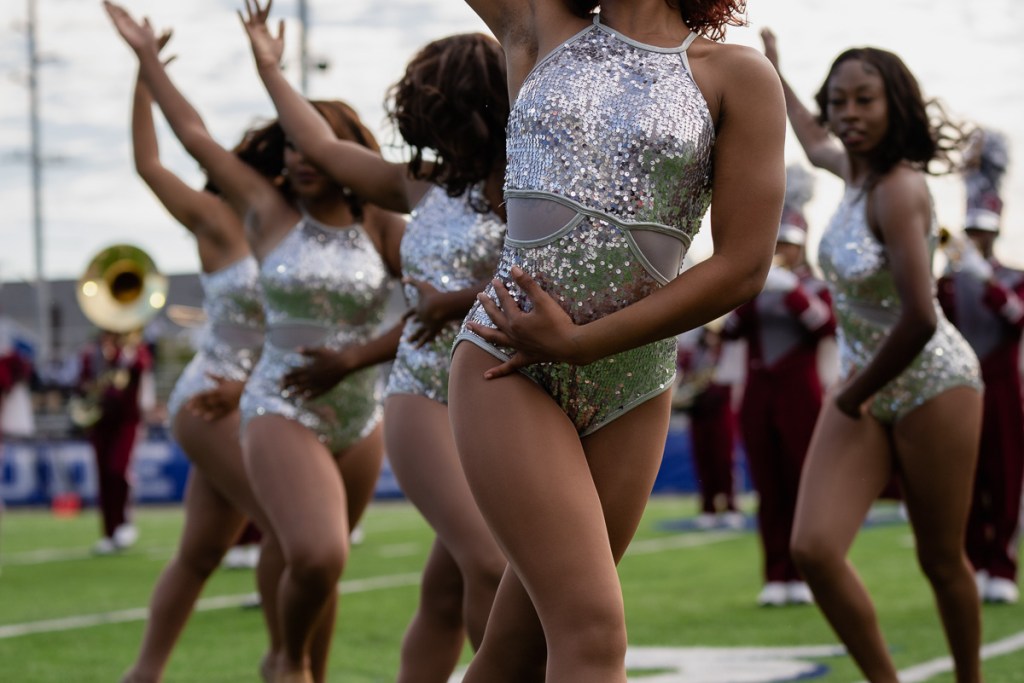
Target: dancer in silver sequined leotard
<point x="323" y="287"/>
<point x="310" y="495"/>
<point x="609" y="177"/>
<point x="451" y="246"/>
<point x="559" y="394"/>
<point x="451" y="104"/>
<point x="203" y="412"/>
<point x="867" y="305"/>
<point x="909" y="396"/>
<point x="231" y="339"/>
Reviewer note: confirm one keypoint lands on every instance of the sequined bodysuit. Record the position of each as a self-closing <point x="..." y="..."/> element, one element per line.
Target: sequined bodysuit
<point x="322" y="287"/>
<point x="609" y="177"/>
<point x="230" y="341"/>
<point x="451" y="246"/>
<point x="867" y="305"/>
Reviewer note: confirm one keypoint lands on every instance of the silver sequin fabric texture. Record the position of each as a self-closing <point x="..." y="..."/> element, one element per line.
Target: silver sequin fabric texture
<point x="331" y="278"/>
<point x="619" y="132"/>
<point x="230" y="341"/>
<point x="867" y="305"/>
<point x="451" y="246"/>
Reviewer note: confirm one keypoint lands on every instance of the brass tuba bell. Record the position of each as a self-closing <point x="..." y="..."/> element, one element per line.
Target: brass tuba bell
<point x="121" y="289"/>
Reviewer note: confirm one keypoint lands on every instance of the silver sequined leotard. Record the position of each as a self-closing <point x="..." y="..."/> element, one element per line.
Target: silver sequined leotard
<point x="230" y="341"/>
<point x="867" y="305"/>
<point x="451" y="246"/>
<point x="322" y="287"/>
<point x="609" y="177"/>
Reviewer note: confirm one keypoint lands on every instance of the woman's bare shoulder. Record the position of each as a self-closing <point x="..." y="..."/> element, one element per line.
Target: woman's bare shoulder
<point x="732" y="76"/>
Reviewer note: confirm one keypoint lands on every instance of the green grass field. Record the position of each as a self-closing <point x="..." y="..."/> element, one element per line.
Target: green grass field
<point x="66" y="616"/>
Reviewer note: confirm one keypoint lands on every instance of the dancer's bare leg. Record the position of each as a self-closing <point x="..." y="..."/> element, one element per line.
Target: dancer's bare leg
<point x="297" y="481"/>
<point x="217" y="502"/>
<point x="546" y="496"/>
<point x="848" y="464"/>
<point x="433" y="641"/>
<point x="937" y="448"/>
<point x="425" y="461"/>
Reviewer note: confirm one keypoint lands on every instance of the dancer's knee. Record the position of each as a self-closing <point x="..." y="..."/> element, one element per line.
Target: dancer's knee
<point x="814" y="555"/>
<point x="318" y="568"/>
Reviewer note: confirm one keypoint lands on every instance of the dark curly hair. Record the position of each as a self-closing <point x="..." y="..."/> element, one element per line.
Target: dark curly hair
<point x="453" y="101"/>
<point x="262" y="147"/>
<point x="919" y="131"/>
<point x="706" y="17"/>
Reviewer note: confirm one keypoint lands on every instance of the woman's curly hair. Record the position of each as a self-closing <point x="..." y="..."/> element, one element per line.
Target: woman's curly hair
<point x="919" y="131"/>
<point x="453" y="101"/>
<point x="262" y="147"/>
<point x="706" y="17"/>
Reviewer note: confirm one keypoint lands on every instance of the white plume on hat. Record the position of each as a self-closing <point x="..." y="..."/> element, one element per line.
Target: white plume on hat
<point x="799" y="190"/>
<point x="987" y="160"/>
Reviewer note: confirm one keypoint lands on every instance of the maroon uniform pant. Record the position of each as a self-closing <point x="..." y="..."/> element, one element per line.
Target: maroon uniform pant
<point x="113" y="444"/>
<point x="777" y="419"/>
<point x="995" y="508"/>
<point x="712" y="428"/>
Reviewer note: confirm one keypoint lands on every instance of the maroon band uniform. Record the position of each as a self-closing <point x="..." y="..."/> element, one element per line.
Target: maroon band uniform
<point x="113" y="435"/>
<point x="781" y="401"/>
<point x="990" y="315"/>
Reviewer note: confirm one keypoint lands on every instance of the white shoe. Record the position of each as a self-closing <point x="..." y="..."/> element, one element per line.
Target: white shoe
<point x="1001" y="591"/>
<point x="236" y="557"/>
<point x="705" y="521"/>
<point x="981" y="581"/>
<point x="799" y="593"/>
<point x="105" y="546"/>
<point x="774" y="594"/>
<point x="357" y="535"/>
<point x="734" y="520"/>
<point x="125" y="536"/>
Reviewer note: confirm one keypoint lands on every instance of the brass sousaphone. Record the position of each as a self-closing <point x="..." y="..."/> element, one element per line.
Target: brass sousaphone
<point x="120" y="291"/>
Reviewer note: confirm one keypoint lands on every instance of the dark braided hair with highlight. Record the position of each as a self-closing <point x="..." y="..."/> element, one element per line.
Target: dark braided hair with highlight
<point x="705" y="17"/>
<point x="453" y="101"/>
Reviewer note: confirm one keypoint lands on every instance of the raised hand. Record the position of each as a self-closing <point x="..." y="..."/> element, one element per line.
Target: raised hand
<point x="139" y="36"/>
<point x="544" y="334"/>
<point x="771" y="50"/>
<point x="266" y="49"/>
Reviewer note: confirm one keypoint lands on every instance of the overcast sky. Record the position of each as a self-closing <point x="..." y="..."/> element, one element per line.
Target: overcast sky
<point x="969" y="53"/>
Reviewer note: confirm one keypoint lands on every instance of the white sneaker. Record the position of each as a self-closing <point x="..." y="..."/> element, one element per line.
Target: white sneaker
<point x="774" y="594"/>
<point x="125" y="535"/>
<point x="799" y="593"/>
<point x="705" y="521"/>
<point x="981" y="581"/>
<point x="1001" y="591"/>
<point x="357" y="535"/>
<point x="105" y="546"/>
<point x="734" y="520"/>
<point x="236" y="557"/>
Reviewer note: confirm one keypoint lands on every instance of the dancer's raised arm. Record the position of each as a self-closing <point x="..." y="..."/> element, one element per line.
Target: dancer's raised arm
<point x="821" y="148"/>
<point x="200" y="212"/>
<point x="242" y="186"/>
<point x="369" y="175"/>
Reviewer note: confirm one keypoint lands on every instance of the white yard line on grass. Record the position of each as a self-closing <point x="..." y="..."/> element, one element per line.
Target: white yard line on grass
<point x="926" y="670"/>
<point x="206" y="604"/>
<point x="653" y="545"/>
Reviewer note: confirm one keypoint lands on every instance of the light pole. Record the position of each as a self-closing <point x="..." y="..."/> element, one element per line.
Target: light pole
<point x="36" y="164"/>
<point x="303" y="47"/>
